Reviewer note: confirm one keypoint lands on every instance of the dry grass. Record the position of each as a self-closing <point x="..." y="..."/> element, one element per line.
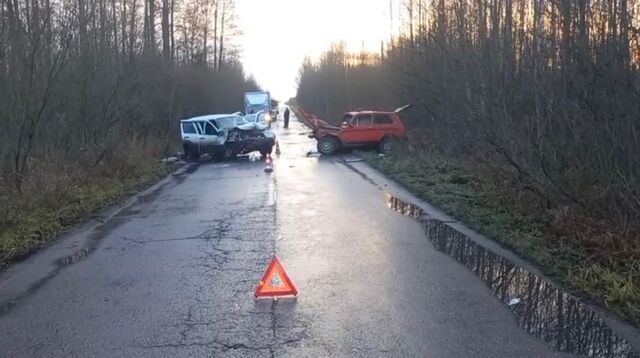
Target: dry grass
<point x="591" y="257"/>
<point x="57" y="194"/>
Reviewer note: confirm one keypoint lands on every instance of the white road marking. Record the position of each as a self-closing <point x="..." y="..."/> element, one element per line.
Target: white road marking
<point x="272" y="193"/>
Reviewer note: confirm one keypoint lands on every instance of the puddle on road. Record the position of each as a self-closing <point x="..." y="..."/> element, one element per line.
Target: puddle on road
<point x="75" y="257"/>
<point x="403" y="207"/>
<point x="182" y="175"/>
<point x="91" y="244"/>
<point x="544" y="311"/>
<point x="353" y="160"/>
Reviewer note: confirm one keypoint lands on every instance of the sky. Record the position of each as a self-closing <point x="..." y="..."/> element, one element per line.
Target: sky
<point x="278" y="34"/>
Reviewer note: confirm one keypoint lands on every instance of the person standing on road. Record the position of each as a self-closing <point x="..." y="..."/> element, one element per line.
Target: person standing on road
<point x="286" y="117"/>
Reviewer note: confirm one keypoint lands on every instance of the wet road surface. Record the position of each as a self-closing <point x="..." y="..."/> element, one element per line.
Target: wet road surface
<point x="173" y="273"/>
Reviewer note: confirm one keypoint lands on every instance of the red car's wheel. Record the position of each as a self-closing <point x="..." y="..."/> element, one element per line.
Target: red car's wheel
<point x="327" y="145"/>
<point x="385" y="146"/>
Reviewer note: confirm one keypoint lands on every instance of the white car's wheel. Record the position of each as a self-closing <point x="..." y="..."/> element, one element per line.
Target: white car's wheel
<point x="228" y="153"/>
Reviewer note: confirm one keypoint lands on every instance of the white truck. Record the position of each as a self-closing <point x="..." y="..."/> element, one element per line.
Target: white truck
<point x="255" y="102"/>
<point x="260" y="102"/>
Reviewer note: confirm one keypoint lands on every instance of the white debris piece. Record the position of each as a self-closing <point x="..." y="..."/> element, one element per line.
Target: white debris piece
<point x="254" y="156"/>
<point x="513" y="301"/>
<point x="169" y="160"/>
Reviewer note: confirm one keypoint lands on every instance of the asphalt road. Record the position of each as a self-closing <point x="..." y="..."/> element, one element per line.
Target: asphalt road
<point x="172" y="274"/>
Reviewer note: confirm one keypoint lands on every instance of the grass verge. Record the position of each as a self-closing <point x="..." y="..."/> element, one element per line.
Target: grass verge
<point x="491" y="203"/>
<point x="42" y="221"/>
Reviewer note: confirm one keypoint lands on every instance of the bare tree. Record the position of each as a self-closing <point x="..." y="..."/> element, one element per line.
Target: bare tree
<point x="87" y="94"/>
<point x="221" y="38"/>
<point x="166" y="45"/>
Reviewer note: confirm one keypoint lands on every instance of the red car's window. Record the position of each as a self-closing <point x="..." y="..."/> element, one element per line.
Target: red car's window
<point x="365" y="120"/>
<point x="382" y="119"/>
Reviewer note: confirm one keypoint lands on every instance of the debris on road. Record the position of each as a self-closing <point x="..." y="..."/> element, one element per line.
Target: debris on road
<point x="170" y="160"/>
<point x="206" y="157"/>
<point x="255" y="156"/>
<point x="513" y="302"/>
<point x="173" y="160"/>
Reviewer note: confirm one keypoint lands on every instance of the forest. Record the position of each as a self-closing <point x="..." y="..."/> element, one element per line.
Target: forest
<point x="526" y="125"/>
<point x="90" y="96"/>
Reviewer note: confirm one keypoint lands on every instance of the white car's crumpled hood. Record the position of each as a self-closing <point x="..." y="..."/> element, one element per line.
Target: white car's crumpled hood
<point x="250" y="126"/>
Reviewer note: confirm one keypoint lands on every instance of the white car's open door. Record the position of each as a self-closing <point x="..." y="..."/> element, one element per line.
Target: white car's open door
<point x="190" y="134"/>
<point x="210" y="137"/>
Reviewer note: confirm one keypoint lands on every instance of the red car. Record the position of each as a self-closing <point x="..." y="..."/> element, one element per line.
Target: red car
<point x="359" y="129"/>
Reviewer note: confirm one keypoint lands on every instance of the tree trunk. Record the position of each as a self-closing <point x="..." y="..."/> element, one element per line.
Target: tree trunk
<point x="215" y="36"/>
<point x="205" y="35"/>
<point x="82" y="31"/>
<point x="123" y="25"/>
<point x="173" y="40"/>
<point x="152" y="25"/>
<point x="508" y="48"/>
<point x="482" y="22"/>
<point x="624" y="34"/>
<point x="132" y="33"/>
<point x="103" y="28"/>
<point x="48" y="34"/>
<point x="566" y="43"/>
<point x="166" y="46"/>
<point x="221" y="49"/>
<point x="114" y="17"/>
<point x="411" y="22"/>
<point x="534" y="39"/>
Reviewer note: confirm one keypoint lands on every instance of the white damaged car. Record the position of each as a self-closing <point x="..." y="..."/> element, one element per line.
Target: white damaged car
<point x="225" y="135"/>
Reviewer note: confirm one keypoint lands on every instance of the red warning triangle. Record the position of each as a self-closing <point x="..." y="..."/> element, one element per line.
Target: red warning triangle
<point x="275" y="282"/>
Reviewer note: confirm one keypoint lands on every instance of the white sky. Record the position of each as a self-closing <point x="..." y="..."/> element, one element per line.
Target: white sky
<point x="278" y="34"/>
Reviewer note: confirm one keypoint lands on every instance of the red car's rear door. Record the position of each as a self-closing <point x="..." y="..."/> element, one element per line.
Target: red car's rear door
<point x="384" y="125"/>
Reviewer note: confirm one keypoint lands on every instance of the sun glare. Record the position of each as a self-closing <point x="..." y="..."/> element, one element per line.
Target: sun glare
<point x="277" y="35"/>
